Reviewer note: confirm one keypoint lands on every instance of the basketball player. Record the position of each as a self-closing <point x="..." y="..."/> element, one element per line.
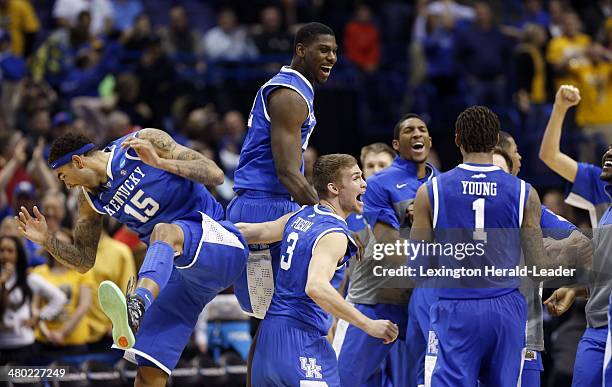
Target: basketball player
<point x="587" y="190"/>
<point x="592" y="354"/>
<point x="559" y="233"/>
<point x="388" y="198"/>
<point x="478" y="324"/>
<point x="155" y="187"/>
<point x="269" y="180"/>
<point x="291" y="347"/>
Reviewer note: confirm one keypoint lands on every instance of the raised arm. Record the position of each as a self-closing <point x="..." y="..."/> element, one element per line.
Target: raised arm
<point x="288" y="111"/>
<point x="328" y="251"/>
<point x="266" y="232"/>
<point x="157" y="148"/>
<point x="550" y="151"/>
<point x="81" y="255"/>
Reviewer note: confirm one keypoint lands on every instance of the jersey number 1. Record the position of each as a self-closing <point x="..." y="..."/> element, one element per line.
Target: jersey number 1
<point x="148" y="206"/>
<point x="478" y="206"/>
<point x="285" y="262"/>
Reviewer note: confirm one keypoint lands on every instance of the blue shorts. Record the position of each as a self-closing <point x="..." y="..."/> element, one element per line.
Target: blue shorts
<point x="589" y="362"/>
<point x="291" y="353"/>
<point x="532" y="369"/>
<point x="255" y="286"/>
<point x="351" y="344"/>
<point x="214" y="256"/>
<point x="477" y="339"/>
<point x="417" y="332"/>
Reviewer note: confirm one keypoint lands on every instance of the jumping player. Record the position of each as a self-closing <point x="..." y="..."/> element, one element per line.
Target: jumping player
<point x="291" y="346"/>
<point x="155" y="187"/>
<point x="388" y="199"/>
<point x="478" y="324"/>
<point x="269" y="180"/>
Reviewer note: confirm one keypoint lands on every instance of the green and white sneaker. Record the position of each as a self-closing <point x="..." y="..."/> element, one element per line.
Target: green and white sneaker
<point x="125" y="312"/>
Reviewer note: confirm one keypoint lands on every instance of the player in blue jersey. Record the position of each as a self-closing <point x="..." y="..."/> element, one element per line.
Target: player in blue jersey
<point x="269" y="180"/>
<point x="593" y="352"/>
<point x="155" y="187"/>
<point x="560" y="235"/>
<point x="587" y="190"/>
<point x="478" y="323"/>
<point x="291" y="346"/>
<point x="388" y="200"/>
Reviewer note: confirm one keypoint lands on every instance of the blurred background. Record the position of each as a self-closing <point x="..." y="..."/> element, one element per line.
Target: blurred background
<point x="192" y="68"/>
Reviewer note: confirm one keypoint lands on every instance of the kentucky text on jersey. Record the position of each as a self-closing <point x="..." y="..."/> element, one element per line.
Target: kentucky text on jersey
<point x="124" y="191"/>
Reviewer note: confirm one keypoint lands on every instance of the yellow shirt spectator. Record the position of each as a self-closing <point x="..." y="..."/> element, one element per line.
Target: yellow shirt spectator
<point x="114" y="262"/>
<point x="78" y="289"/>
<point x="595" y="84"/>
<point x="562" y="49"/>
<point x="18" y="18"/>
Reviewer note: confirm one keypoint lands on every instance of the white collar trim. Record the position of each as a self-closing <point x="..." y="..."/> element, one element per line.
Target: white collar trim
<point x="109" y="170"/>
<point x="287" y="69"/>
<point x="478" y="168"/>
<point x="321" y="212"/>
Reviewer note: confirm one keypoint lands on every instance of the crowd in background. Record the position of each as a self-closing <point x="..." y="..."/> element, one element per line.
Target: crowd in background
<point x="108" y="67"/>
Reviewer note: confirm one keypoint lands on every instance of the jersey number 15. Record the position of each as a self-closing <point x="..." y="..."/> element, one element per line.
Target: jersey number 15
<point x="148" y="207"/>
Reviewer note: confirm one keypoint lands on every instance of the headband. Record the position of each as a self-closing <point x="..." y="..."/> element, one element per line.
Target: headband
<point x="65" y="159"/>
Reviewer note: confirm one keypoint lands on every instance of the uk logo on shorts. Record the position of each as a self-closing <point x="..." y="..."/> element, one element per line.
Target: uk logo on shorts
<point x="432" y="344"/>
<point x="310" y="366"/>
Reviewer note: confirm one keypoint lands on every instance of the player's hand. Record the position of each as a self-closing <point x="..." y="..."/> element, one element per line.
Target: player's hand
<point x="33" y="228"/>
<point x="19" y="154"/>
<point x="383" y="329"/>
<point x="144" y="149"/>
<point x="560" y="301"/>
<point x="567" y="96"/>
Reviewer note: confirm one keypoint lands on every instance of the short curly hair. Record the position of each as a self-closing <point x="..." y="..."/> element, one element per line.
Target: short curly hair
<point x="477" y="129"/>
<point x="67" y="143"/>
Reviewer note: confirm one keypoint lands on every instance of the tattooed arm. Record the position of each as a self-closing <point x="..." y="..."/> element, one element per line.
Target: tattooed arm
<point x="156" y="148"/>
<point x="81" y="255"/>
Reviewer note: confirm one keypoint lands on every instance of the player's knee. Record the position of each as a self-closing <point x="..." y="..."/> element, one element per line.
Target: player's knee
<point x="169" y="233"/>
<point x="150" y="377"/>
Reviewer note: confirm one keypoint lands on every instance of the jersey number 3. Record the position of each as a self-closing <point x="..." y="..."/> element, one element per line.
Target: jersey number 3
<point x="285" y="262"/>
<point x="148" y="206"/>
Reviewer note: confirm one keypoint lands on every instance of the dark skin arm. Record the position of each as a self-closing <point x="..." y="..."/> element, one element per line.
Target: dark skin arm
<point x="531" y="234"/>
<point x="422" y="225"/>
<point x="288" y="111"/>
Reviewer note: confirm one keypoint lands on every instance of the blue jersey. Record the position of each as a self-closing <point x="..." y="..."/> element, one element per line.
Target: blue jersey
<point x="555" y="226"/>
<point x="588" y="192"/>
<point x="140" y="196"/>
<point x="302" y="232"/>
<point x="483" y="206"/>
<point x="256" y="169"/>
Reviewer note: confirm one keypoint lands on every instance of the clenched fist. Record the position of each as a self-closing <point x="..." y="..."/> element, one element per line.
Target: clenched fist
<point x="567" y="96"/>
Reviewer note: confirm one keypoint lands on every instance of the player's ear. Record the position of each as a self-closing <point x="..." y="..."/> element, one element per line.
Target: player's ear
<point x="430" y="141"/>
<point x="396" y="145"/>
<point x="300" y="50"/>
<point x="78" y="161"/>
<point x="457" y="142"/>
<point x="331" y="187"/>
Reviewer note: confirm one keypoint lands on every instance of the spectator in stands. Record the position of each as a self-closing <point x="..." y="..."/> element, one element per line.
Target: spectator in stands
<point x="39" y="170"/>
<point x="483" y="53"/>
<point x="178" y="38"/>
<point x="531" y="77"/>
<point x="362" y="39"/>
<point x="18" y="291"/>
<point x="555" y="201"/>
<point x="61" y="124"/>
<point x="18" y="18"/>
<point x="594" y="14"/>
<point x="228" y="41"/>
<point x="556" y="12"/>
<point x="272" y="38"/>
<point x="12" y="70"/>
<point x="567" y="50"/>
<point x="534" y="14"/>
<point x="69" y="331"/>
<point x="157" y="76"/>
<point x="39" y="125"/>
<point x="439" y="47"/>
<point x="114" y="262"/>
<point x="136" y="37"/>
<point x="125" y="13"/>
<point x="54" y="206"/>
<point x="118" y="126"/>
<point x="234" y="130"/>
<point x="12" y="160"/>
<point x="127" y="92"/>
<point x="66" y="12"/>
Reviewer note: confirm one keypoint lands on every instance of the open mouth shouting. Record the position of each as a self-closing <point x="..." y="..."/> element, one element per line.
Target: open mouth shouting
<point x="418" y="146"/>
<point x="326" y="70"/>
